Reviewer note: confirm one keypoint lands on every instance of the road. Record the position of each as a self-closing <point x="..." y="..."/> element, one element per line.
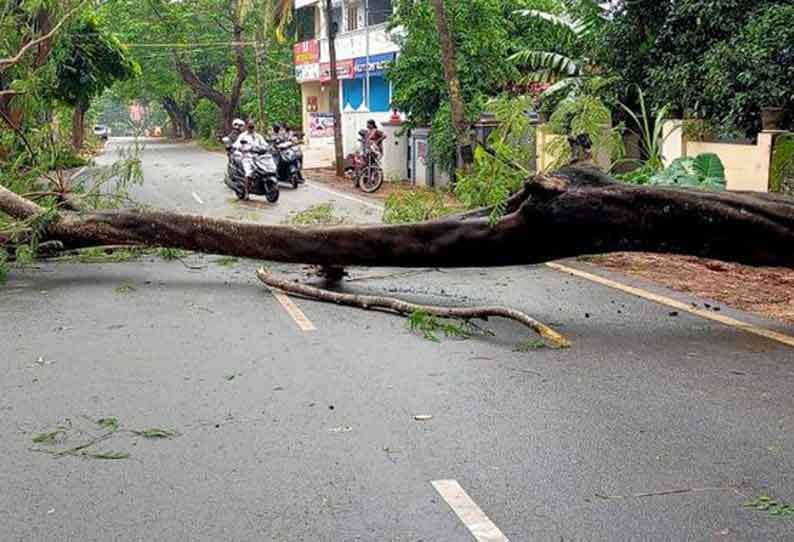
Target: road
<point x="655" y="426"/>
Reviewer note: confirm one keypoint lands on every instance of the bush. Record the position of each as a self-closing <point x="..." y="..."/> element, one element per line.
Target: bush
<point x="415" y="206"/>
<point x="208" y="118"/>
<point x="755" y="69"/>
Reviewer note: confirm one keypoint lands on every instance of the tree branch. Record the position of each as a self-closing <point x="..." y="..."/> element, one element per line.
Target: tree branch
<point x="369" y="302"/>
<point x="6" y="63"/>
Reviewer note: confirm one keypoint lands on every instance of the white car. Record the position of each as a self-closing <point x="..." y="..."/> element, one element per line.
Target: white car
<point x="102" y="131"/>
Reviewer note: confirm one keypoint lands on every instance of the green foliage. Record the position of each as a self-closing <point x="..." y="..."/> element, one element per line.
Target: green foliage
<point x="430" y="326"/>
<point x="705" y="171"/>
<point x="208" y="118"/>
<point x="482" y="31"/>
<point x="584" y="113"/>
<point x="89" y="60"/>
<point x="226" y="261"/>
<point x="753" y="70"/>
<point x="501" y="168"/>
<point x="771" y="506"/>
<point x="531" y="346"/>
<point x="110" y="424"/>
<point x="171" y="254"/>
<point x="649" y="129"/>
<point x="415" y="206"/>
<point x="156" y="433"/>
<point x="782" y="162"/>
<point x="575" y="26"/>
<point x="719" y="60"/>
<point x="321" y="214"/>
<point x="125" y="288"/>
<point x="4" y="267"/>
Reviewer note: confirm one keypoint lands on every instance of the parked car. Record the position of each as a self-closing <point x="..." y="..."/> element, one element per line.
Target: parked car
<point x="102" y="132"/>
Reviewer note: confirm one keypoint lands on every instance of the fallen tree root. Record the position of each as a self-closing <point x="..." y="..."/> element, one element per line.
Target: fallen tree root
<point x="371" y="302"/>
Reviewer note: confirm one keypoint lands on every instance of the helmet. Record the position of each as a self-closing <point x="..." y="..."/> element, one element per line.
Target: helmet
<point x="238" y="123"/>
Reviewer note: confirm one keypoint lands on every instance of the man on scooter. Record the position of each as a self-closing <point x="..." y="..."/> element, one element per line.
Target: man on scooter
<point x="246" y="143"/>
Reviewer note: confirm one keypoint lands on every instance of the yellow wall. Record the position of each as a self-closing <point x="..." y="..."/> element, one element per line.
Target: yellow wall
<point x="747" y="167"/>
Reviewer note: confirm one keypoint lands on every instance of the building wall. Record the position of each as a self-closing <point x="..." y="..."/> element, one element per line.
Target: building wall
<point x="747" y="167"/>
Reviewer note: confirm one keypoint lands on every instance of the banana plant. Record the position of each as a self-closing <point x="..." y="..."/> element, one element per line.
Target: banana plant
<point x="577" y="23"/>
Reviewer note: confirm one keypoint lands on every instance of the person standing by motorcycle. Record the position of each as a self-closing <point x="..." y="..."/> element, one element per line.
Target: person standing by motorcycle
<point x="375" y="140"/>
<point x="246" y="143"/>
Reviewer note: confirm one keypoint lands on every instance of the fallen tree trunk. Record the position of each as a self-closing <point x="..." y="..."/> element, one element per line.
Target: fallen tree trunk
<point x="575" y="211"/>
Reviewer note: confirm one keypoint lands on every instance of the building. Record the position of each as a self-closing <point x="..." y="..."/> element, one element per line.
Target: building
<point x="364" y="49"/>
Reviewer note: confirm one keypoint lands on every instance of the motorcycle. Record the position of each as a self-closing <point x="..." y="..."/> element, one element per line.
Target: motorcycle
<point x="364" y="166"/>
<point x="264" y="180"/>
<point x="289" y="162"/>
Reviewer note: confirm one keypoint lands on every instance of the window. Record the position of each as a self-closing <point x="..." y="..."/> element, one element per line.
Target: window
<point x="352" y="18"/>
<point x="379" y="94"/>
<point x="352" y="93"/>
<point x="379" y="11"/>
<point x="304" y="20"/>
<point x="336" y="18"/>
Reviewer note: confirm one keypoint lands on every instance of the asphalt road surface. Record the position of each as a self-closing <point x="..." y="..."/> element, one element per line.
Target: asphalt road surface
<point x="657" y="425"/>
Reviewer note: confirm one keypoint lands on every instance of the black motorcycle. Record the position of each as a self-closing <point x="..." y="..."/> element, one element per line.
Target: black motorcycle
<point x="264" y="180"/>
<point x="289" y="162"/>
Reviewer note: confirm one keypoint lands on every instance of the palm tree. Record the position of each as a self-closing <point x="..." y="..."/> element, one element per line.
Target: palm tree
<point x="576" y="24"/>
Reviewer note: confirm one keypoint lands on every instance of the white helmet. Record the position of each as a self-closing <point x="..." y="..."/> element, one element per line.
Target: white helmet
<point x="238" y="123"/>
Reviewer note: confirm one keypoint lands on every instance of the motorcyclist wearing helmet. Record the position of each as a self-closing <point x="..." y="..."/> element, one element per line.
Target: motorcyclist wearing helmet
<point x="245" y="145"/>
<point x="238" y="125"/>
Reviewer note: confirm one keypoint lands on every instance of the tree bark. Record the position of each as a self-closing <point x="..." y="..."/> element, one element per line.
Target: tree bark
<point x="229" y="105"/>
<point x="462" y="128"/>
<point x="78" y="127"/>
<point x="573" y="212"/>
<point x="333" y="94"/>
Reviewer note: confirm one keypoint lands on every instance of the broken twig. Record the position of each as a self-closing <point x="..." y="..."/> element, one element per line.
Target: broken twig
<point x="370" y="302"/>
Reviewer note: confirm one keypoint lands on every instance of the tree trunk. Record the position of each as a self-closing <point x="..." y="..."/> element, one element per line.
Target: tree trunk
<point x="573" y="212"/>
<point x="462" y="128"/>
<point x="78" y="127"/>
<point x="333" y="94"/>
<point x="229" y="105"/>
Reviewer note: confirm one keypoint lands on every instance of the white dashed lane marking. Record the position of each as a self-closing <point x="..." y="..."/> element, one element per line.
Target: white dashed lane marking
<point x="475" y="520"/>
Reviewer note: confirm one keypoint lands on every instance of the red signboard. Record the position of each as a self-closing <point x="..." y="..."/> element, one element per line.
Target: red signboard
<point x="345" y="69"/>
<point x="307" y="52"/>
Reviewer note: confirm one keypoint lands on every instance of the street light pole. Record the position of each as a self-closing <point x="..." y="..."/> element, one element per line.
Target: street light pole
<point x="366" y="80"/>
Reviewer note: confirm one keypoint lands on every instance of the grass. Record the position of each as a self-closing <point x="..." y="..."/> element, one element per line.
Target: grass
<point x="211" y="144"/>
<point x="171" y="254"/>
<point x="316" y="215"/>
<point x="416" y="206"/>
<point x="104" y="255"/>
<point x="226" y="261"/>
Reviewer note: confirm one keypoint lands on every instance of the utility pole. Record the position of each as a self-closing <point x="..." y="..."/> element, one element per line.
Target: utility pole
<point x="333" y="94"/>
<point x="260" y="46"/>
<point x="366" y="73"/>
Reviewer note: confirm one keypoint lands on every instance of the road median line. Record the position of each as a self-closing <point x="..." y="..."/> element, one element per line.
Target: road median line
<point x="782" y="338"/>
